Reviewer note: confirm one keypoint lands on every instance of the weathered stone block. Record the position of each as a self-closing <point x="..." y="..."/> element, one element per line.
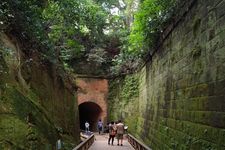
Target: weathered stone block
<point x="184" y="88"/>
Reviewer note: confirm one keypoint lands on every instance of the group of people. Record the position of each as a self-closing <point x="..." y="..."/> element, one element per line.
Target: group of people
<point x="115" y="129"/>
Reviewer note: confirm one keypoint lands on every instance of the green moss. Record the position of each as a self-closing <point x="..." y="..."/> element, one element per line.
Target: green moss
<point x="23" y="107"/>
<point x="130" y="88"/>
<point x="21" y="135"/>
<point x="13" y="132"/>
<point x="125" y="89"/>
<point x="123" y="93"/>
<point x="30" y="111"/>
<point x="68" y="142"/>
<point x="196" y="52"/>
<point x="196" y="26"/>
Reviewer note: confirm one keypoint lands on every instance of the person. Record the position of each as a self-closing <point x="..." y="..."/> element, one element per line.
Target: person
<point x="58" y="144"/>
<point x="112" y="132"/>
<point x="100" y="125"/>
<point x="87" y="127"/>
<point x="120" y="132"/>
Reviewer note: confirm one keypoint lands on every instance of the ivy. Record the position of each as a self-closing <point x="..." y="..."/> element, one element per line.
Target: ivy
<point x="130" y="88"/>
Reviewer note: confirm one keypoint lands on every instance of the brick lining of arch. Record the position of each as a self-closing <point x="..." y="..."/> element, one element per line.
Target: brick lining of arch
<point x="94" y="90"/>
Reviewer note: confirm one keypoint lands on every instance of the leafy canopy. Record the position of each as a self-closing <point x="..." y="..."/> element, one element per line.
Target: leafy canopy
<point x="110" y="33"/>
<point x="147" y="22"/>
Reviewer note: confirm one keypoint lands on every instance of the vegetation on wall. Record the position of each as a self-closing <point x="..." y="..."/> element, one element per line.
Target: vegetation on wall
<point x="123" y="101"/>
<point x="111" y="37"/>
<point x="25" y="123"/>
<point x="130" y="88"/>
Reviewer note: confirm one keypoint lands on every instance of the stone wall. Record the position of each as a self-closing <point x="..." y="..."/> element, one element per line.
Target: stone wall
<point x="181" y="100"/>
<point x="37" y="101"/>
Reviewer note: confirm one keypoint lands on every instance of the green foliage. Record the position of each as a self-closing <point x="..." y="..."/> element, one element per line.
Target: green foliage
<point x="148" y="23"/>
<point x="97" y="55"/>
<point x="130" y="88"/>
<point x="23" y="19"/>
<point x="67" y="29"/>
<point x="123" y="93"/>
<point x="22" y="13"/>
<point x="144" y="30"/>
<point x="125" y="63"/>
<point x="74" y="26"/>
<point x="72" y="31"/>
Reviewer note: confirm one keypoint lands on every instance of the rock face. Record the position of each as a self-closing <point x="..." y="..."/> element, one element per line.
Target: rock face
<point x="37" y="102"/>
<point x="181" y="92"/>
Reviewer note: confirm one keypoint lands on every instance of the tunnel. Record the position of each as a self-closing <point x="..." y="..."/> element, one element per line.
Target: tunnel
<point x="90" y="112"/>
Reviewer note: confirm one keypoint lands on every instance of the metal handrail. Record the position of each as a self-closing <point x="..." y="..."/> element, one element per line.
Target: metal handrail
<point x="86" y="143"/>
<point x="138" y="145"/>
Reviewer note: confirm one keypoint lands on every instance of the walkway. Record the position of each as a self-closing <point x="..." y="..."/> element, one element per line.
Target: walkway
<point x="101" y="143"/>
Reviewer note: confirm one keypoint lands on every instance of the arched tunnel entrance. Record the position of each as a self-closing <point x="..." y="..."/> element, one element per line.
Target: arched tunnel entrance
<point x="90" y="112"/>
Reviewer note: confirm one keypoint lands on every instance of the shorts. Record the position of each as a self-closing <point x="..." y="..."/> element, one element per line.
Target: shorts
<point x="119" y="136"/>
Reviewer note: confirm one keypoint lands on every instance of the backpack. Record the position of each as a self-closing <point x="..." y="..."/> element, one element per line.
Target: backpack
<point x="120" y="128"/>
<point x="112" y="130"/>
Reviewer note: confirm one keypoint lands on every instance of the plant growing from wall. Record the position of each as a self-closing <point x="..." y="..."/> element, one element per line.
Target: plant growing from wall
<point x="130" y="88"/>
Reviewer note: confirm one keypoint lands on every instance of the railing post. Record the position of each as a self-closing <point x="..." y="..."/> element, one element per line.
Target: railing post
<point x="85" y="144"/>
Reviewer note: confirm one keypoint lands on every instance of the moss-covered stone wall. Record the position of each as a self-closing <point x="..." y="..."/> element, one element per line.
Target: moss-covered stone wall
<point x="38" y="105"/>
<point x="181" y="98"/>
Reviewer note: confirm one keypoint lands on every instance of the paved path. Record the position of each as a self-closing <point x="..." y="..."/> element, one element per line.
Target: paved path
<point x="101" y="143"/>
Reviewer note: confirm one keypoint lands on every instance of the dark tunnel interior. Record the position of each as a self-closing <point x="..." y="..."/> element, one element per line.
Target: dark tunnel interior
<point x="90" y="112"/>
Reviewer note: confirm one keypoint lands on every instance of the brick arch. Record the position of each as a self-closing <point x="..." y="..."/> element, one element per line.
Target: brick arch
<point x="93" y="90"/>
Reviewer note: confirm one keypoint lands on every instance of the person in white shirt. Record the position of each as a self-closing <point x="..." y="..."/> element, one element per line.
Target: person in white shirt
<point x="100" y="126"/>
<point x="59" y="144"/>
<point x="86" y="127"/>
